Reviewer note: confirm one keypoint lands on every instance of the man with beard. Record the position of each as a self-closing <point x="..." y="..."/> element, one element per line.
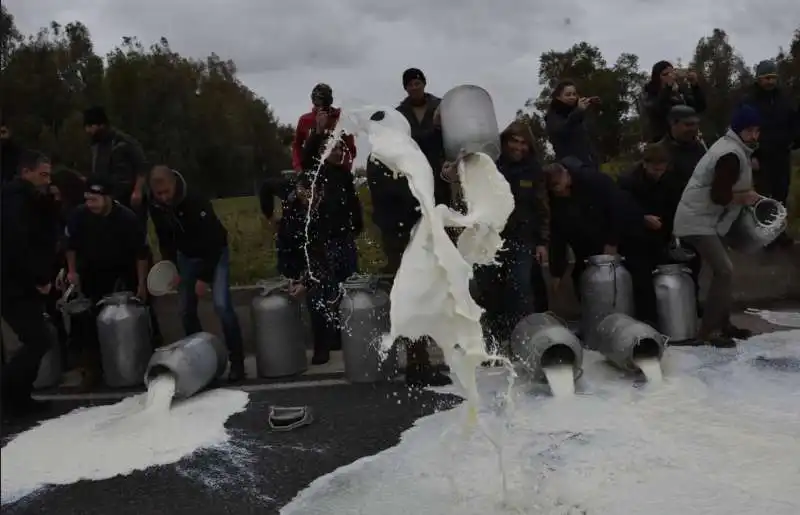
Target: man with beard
<point x="191" y="235"/>
<point x="106" y="252"/>
<point x="28" y="257"/>
<point x="9" y="154"/>
<point x="514" y="287"/>
<point x="681" y="143"/>
<point x="323" y="116"/>
<point x="779" y="131"/>
<point x="721" y="185"/>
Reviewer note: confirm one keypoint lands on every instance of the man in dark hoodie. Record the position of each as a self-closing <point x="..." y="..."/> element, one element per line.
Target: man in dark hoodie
<point x="779" y="132"/>
<point x="681" y="142"/>
<point x="28" y="257"/>
<point x="656" y="192"/>
<point x="191" y="235"/>
<point x="508" y="287"/>
<point x="588" y="213"/>
<point x="666" y="88"/>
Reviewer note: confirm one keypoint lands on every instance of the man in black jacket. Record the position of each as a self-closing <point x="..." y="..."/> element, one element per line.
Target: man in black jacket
<point x="191" y="235"/>
<point x="779" y="131"/>
<point x="507" y="288"/>
<point x="681" y="142"/>
<point x="28" y="257"/>
<point x="106" y="252"/>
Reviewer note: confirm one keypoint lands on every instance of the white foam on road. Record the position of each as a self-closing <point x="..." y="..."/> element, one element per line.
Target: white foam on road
<point x="718" y="437"/>
<point x="106" y="441"/>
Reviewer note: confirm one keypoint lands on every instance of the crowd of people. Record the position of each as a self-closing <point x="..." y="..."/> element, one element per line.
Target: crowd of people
<point x="90" y="230"/>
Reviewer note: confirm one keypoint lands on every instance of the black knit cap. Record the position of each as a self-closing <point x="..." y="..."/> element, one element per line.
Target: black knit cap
<point x="766" y="69"/>
<point x="413" y="74"/>
<point x="98" y="185"/>
<point x="95" y="115"/>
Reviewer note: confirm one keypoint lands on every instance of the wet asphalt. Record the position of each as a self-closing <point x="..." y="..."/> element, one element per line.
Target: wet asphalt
<point x="263" y="471"/>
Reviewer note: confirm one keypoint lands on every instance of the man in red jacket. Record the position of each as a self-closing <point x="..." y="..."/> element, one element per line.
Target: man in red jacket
<point x="322" y="116"/>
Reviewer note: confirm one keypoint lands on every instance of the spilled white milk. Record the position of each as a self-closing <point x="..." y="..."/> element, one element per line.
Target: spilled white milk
<point x="651" y="369"/>
<point x="780" y="318"/>
<point x="718" y="438"/>
<point x="101" y="442"/>
<point x="561" y="380"/>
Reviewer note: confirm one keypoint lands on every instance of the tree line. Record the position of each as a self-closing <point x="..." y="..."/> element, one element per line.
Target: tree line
<point x="195" y="114"/>
<point x="616" y="125"/>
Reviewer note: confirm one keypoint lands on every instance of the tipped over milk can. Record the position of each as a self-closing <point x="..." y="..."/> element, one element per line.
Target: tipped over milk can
<point x="622" y="340"/>
<point x="757" y="226"/>
<point x="194" y="361"/>
<point x="469" y="123"/>
<point x="676" y="302"/>
<point x="364" y="314"/>
<point x="540" y="340"/>
<point x="606" y="287"/>
<point x="281" y="333"/>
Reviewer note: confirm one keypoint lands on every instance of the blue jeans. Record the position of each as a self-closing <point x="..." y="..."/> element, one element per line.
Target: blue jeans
<point x="507" y="288"/>
<point x="221" y="297"/>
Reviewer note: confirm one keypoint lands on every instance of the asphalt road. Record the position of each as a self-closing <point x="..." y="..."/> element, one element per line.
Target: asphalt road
<point x="265" y="470"/>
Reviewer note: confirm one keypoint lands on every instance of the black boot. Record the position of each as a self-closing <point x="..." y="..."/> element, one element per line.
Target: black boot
<point x="731" y="331"/>
<point x="236" y="374"/>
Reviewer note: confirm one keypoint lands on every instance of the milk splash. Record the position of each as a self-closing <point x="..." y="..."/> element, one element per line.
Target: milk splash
<point x="651" y="369"/>
<point x="560" y="379"/>
<point x="720" y="438"/>
<point x="101" y="442"/>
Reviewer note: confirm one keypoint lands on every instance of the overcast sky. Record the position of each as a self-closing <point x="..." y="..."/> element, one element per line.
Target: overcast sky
<point x="361" y="47"/>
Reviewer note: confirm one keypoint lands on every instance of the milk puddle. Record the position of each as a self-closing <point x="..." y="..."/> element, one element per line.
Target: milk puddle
<point x="718" y="437"/>
<point x="651" y="369"/>
<point x="561" y="380"/>
<point x="781" y="318"/>
<point x="101" y="442"/>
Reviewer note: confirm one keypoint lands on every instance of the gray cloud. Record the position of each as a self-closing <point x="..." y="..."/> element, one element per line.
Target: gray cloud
<point x="361" y="47"/>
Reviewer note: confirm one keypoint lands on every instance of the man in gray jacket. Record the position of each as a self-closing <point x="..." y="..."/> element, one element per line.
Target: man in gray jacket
<point x="720" y="186"/>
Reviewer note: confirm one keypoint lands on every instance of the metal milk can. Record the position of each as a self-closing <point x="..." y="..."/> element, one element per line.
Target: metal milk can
<point x="280" y="331"/>
<point x="757" y="226"/>
<point x="364" y="314"/>
<point x="540" y="340"/>
<point x="193" y="361"/>
<point x="676" y="302"/>
<point x="469" y="123"/>
<point x="50" y="368"/>
<point x="622" y="340"/>
<point x="606" y="287"/>
<point x="123" y="330"/>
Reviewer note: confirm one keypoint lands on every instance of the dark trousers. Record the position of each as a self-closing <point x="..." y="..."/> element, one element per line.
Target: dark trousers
<point x="25" y="316"/>
<point x="640" y="266"/>
<point x="774" y="176"/>
<point x="342" y="261"/>
<point x="507" y="288"/>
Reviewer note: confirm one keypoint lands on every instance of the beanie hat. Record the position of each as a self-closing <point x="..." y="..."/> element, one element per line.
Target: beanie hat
<point x="413" y="74"/>
<point x="745" y="117"/>
<point x="95" y="116"/>
<point x="766" y="68"/>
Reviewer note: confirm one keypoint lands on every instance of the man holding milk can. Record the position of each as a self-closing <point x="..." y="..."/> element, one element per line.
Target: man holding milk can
<point x="721" y="185"/>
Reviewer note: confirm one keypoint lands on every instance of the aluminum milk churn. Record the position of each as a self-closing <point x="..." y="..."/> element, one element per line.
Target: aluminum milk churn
<point x="623" y="340"/>
<point x="194" y="362"/>
<point x="540" y="340"/>
<point x="364" y="314"/>
<point x="757" y="226"/>
<point x="676" y="302"/>
<point x="606" y="288"/>
<point x="469" y="123"/>
<point x="50" y="368"/>
<point x="123" y="329"/>
<point x="280" y="331"/>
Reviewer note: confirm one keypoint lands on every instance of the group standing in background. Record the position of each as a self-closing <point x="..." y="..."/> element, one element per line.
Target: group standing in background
<point x="680" y="195"/>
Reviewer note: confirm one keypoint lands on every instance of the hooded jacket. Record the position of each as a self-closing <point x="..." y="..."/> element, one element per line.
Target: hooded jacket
<point x="29" y="239"/>
<point x="530" y="220"/>
<point x="190" y="226"/>
<point x="595" y="214"/>
<point x="306" y="123"/>
<point x="779" y="122"/>
<point x="567" y="132"/>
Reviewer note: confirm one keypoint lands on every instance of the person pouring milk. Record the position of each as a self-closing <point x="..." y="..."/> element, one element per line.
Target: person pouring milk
<point x="720" y="186"/>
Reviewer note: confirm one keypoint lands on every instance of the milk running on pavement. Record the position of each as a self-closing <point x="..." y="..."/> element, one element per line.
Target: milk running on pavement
<point x="106" y="441"/>
<point x="561" y="380"/>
